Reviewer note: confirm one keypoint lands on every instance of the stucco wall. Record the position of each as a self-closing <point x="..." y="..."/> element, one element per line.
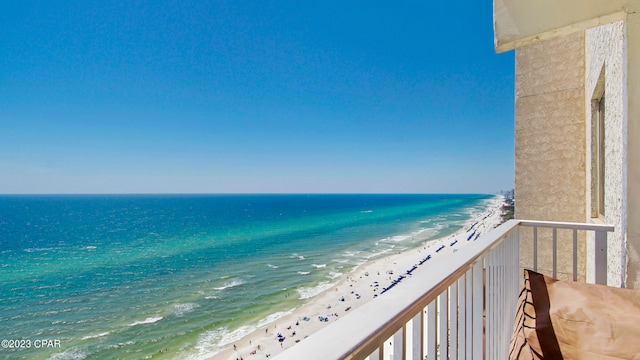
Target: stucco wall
<point x="550" y="142"/>
<point x="605" y="50"/>
<point x="632" y="114"/>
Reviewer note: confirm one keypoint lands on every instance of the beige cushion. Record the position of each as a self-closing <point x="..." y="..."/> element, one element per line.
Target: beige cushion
<point x="567" y="320"/>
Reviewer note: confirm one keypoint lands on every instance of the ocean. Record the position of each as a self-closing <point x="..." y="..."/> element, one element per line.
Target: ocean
<point x="180" y="276"/>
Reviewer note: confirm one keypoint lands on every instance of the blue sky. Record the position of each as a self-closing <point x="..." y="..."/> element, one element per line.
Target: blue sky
<point x="253" y="96"/>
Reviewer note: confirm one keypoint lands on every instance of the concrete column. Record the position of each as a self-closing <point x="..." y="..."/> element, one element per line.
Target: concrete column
<point x="633" y="146"/>
<point x="550" y="141"/>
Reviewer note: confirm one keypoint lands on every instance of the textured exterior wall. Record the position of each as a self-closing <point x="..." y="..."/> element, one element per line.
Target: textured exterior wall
<point x="550" y="143"/>
<point x="605" y="51"/>
<point x="632" y="115"/>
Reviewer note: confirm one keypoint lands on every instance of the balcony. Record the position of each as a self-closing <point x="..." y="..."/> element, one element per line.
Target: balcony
<point x="460" y="308"/>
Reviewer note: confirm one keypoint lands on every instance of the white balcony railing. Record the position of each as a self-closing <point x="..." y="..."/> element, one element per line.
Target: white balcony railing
<point x="460" y="308"/>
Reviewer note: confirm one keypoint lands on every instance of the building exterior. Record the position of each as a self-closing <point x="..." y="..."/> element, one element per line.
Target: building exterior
<point x="577" y="123"/>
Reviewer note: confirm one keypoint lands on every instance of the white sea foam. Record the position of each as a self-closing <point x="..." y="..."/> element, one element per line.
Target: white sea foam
<point x="294" y="255"/>
<point x="38" y="249"/>
<point x="333" y="275"/>
<point x="95" y="336"/>
<point x="399" y="238"/>
<point x="361" y="262"/>
<point x="235" y="335"/>
<point x="212" y="297"/>
<point x="272" y="266"/>
<point x="376" y="254"/>
<point x="211" y="342"/>
<point x="222" y="337"/>
<point x="307" y="293"/>
<point x="273" y="317"/>
<point x="366" y="211"/>
<point x="303" y="272"/>
<point x="319" y="266"/>
<point x="208" y="344"/>
<point x="181" y="309"/>
<point x="69" y="354"/>
<point x="89" y="248"/>
<point x="230" y="284"/>
<point x="149" y="320"/>
<point x="341" y="261"/>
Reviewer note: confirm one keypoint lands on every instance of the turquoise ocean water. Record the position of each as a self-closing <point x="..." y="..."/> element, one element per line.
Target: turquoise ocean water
<point x="125" y="276"/>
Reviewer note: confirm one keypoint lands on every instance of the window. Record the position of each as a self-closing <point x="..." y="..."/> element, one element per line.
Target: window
<point x="598" y="155"/>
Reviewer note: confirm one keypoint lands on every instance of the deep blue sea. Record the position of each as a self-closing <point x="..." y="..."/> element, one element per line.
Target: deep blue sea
<point x="124" y="276"/>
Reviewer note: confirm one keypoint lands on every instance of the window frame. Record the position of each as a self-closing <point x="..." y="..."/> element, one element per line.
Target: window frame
<point x="598" y="149"/>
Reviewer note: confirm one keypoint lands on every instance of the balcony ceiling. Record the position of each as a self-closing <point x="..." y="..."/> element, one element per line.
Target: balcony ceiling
<point x="522" y="22"/>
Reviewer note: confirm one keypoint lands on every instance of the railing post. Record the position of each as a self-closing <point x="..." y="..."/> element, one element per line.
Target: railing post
<point x="462" y="317"/>
<point x="601" y="257"/>
<point x="555" y="252"/>
<point x="535" y="248"/>
<point x="443" y="332"/>
<point x="453" y="321"/>
<point x="417" y="349"/>
<point x="515" y="282"/>
<point x="469" y="303"/>
<point x="478" y="310"/>
<point x="398" y="344"/>
<point x="489" y="305"/>
<point x="575" y="255"/>
<point x="432" y="333"/>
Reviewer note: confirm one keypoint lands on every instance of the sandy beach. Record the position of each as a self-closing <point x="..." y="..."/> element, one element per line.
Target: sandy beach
<point x="364" y="283"/>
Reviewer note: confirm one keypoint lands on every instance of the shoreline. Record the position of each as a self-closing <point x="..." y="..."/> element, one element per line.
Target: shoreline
<point x="355" y="288"/>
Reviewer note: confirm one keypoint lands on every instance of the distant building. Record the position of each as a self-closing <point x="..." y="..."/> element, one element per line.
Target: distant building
<point x="508" y="195"/>
<point x="577" y="119"/>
